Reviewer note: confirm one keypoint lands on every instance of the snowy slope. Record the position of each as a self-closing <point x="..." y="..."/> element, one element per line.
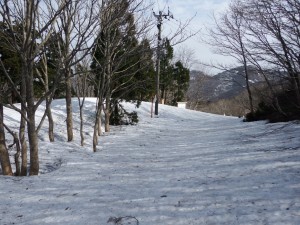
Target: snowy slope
<point x="184" y="167"/>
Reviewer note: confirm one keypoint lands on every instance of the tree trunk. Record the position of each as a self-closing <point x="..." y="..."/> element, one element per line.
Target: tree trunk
<point x="96" y="127"/>
<point x="17" y="155"/>
<point x="23" y="147"/>
<point x="95" y="136"/>
<point x="48" y="102"/>
<point x="33" y="144"/>
<point x="31" y="128"/>
<point x="69" y="119"/>
<point x="4" y="157"/>
<point x="50" y="120"/>
<point x="81" y="122"/>
<point x="249" y="89"/>
<point x="100" y="125"/>
<point x="107" y="114"/>
<point x="246" y="74"/>
<point x="22" y="131"/>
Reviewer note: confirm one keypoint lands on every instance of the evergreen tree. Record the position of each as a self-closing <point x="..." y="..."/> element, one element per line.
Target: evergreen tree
<point x="12" y="63"/>
<point x="174" y="77"/>
<point x="181" y="82"/>
<point x="166" y="70"/>
<point x="120" y="62"/>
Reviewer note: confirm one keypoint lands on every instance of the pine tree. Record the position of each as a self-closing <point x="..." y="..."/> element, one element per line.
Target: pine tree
<point x="174" y="77"/>
<point x="181" y="82"/>
<point x="118" y="59"/>
<point x="11" y="62"/>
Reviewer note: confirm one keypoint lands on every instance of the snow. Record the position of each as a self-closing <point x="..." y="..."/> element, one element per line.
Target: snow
<point x="184" y="167"/>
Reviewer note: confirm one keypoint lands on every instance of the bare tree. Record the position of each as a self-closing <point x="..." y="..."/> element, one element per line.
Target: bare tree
<point x="76" y="26"/>
<point x="82" y="89"/>
<point x="195" y="93"/>
<point x="42" y="72"/>
<point x="229" y="39"/>
<point x="273" y="28"/>
<point x="44" y="79"/>
<point x="185" y="55"/>
<point x="21" y="19"/>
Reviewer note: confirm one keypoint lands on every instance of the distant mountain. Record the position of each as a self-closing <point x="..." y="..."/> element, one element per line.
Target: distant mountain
<point x="224" y="85"/>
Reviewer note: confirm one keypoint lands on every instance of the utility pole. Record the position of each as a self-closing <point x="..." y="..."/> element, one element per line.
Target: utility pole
<point x="160" y="16"/>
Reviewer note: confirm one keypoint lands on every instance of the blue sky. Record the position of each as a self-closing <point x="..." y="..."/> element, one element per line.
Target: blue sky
<point x="204" y="10"/>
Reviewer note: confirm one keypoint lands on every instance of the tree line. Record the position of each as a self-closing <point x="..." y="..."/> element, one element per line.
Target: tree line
<point x="71" y="48"/>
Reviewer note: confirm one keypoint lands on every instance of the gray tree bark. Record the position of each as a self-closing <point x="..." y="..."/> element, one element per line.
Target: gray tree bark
<point x="22" y="131"/>
<point x="4" y="156"/>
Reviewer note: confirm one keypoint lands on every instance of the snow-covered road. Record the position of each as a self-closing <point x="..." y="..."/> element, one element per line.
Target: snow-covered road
<point x="184" y="167"/>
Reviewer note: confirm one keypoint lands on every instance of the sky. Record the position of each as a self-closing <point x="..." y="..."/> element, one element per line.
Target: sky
<point x="203" y="10"/>
<point x="184" y="167"/>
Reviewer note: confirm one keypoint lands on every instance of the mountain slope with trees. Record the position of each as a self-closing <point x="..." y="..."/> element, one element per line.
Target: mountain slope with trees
<point x="225" y="92"/>
<point x="230" y="83"/>
<point x="262" y="34"/>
